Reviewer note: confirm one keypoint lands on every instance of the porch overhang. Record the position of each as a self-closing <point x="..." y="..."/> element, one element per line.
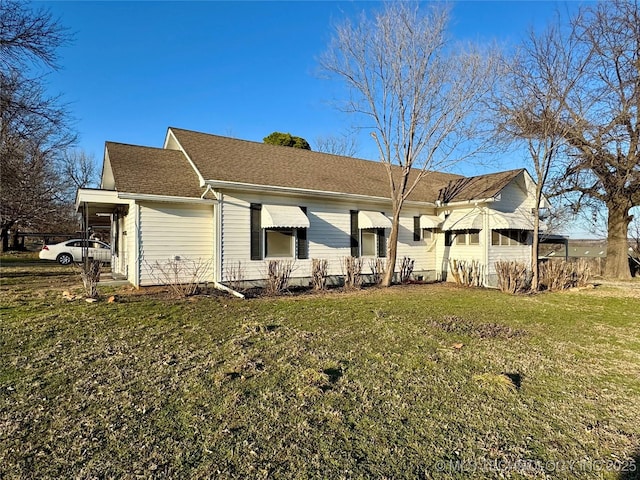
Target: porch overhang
<point x="97" y="205"/>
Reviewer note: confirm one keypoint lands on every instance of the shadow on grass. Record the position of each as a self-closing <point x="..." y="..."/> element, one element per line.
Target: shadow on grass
<point x="515" y="378"/>
<point x="27" y="273"/>
<point x="630" y="468"/>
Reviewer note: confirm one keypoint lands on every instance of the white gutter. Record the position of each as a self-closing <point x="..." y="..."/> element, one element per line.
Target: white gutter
<point x="224" y="288"/>
<point x="164" y="198"/>
<point x="217" y="245"/>
<point x="462" y="203"/>
<point x="252" y="187"/>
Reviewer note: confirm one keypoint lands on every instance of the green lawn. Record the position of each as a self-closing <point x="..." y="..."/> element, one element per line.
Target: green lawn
<point x="428" y="381"/>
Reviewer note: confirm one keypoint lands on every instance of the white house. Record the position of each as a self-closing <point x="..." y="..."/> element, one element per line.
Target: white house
<point x="226" y="203"/>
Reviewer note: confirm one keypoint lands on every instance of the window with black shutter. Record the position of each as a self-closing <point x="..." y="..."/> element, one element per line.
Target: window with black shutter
<point x="416" y="229"/>
<point x="302" y="241"/>
<point x="355" y="234"/>
<point x="382" y="243"/>
<point x="256" y="231"/>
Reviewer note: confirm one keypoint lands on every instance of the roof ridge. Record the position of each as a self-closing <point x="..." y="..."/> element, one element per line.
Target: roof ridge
<point x="306" y="152"/>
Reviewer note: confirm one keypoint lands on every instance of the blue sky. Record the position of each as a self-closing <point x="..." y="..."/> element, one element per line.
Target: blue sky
<point x="241" y="69"/>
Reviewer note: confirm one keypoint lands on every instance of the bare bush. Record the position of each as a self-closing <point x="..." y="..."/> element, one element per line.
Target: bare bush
<point x="90" y="273"/>
<point x="235" y="275"/>
<point x="561" y="275"/>
<point x="352" y="271"/>
<point x="319" y="269"/>
<point x="182" y="275"/>
<point x="278" y="276"/>
<point x="467" y="273"/>
<point x="406" y="269"/>
<point x="377" y="267"/>
<point x="513" y="277"/>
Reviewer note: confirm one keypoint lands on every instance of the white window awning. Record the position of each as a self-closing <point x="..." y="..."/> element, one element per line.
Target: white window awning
<point x="430" y="221"/>
<point x="283" y="216"/>
<point x="367" y="219"/>
<point x="513" y="221"/>
<point x="463" y="221"/>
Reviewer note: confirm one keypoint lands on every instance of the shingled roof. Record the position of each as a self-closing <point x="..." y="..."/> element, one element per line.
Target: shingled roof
<point x="154" y="171"/>
<point x="158" y="171"/>
<point x="476" y="188"/>
<point x="232" y="160"/>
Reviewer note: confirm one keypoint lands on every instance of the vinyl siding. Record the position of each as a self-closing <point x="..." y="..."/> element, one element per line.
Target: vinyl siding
<point x="175" y="232"/>
<point x="328" y="235"/>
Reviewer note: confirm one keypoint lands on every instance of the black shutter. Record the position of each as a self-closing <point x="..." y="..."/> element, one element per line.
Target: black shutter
<point x="355" y="234"/>
<point x="301" y="239"/>
<point x="256" y="231"/>
<point x="416" y="229"/>
<point x="382" y="243"/>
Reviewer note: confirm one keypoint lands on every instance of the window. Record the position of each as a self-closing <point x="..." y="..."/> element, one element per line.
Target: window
<point x="509" y="237"/>
<point x="465" y="237"/>
<point x="278" y="243"/>
<point x="427" y="234"/>
<point x="368" y="243"/>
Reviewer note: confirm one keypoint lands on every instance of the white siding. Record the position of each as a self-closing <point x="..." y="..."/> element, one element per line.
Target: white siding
<point x="129" y="243"/>
<point x="328" y="234"/>
<point x="175" y="232"/>
<point x="517" y="253"/>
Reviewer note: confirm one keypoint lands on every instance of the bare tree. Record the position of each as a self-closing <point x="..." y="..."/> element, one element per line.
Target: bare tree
<point x="77" y="170"/>
<point x="419" y="95"/>
<point x="538" y="80"/>
<point x="33" y="126"/>
<point x="344" y="145"/>
<point x="600" y="119"/>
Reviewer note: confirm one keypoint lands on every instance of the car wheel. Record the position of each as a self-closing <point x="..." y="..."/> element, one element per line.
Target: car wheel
<point x="65" y="259"/>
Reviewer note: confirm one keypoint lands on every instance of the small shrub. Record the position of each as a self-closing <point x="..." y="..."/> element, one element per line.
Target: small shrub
<point x="466" y="273"/>
<point x="406" y="269"/>
<point x="182" y="275"/>
<point x="90" y="274"/>
<point x="513" y="277"/>
<point x="377" y="267"/>
<point x="319" y="269"/>
<point x="560" y="275"/>
<point x="278" y="276"/>
<point x="235" y="275"/>
<point x="352" y="271"/>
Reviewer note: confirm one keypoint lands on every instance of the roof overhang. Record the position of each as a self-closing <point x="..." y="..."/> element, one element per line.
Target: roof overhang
<point x="369" y="219"/>
<point x="463" y="221"/>
<point x="283" y="216"/>
<point x="430" y="221"/>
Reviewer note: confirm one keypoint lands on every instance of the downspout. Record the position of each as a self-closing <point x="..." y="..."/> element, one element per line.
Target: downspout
<point x="217" y="244"/>
<point x="487" y="241"/>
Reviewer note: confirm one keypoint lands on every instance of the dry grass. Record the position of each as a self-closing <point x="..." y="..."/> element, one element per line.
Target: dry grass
<point x="419" y="381"/>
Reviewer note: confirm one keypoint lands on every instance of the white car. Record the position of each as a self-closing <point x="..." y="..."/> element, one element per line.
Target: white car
<point x="71" y="251"/>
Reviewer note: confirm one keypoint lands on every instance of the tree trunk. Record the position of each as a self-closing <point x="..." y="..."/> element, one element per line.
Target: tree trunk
<point x="617" y="264"/>
<point x="392" y="248"/>
<point x="535" y="251"/>
<point x="4" y="244"/>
